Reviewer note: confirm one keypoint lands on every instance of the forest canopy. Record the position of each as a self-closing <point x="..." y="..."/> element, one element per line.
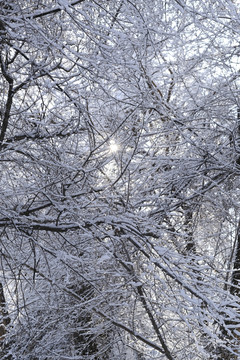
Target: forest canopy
<point x="119" y="188"/>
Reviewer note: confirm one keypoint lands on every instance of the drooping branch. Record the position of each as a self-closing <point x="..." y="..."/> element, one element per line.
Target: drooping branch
<point x="57" y="9"/>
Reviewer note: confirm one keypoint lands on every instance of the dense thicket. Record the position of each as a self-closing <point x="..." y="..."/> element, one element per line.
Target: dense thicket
<point x="119" y="180"/>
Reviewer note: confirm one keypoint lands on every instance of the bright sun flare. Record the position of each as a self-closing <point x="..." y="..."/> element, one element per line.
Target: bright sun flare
<point x="113" y="147"/>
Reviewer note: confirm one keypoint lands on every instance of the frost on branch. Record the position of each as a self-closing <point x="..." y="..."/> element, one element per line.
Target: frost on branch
<point x="119" y="180"/>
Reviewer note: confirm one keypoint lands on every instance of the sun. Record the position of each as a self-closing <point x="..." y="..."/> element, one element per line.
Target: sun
<point x="113" y="146"/>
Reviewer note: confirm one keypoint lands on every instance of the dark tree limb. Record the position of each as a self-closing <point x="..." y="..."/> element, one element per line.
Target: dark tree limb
<point x="8" y="106"/>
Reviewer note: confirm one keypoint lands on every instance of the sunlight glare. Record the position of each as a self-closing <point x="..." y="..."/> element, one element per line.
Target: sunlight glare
<point x="113" y="147"/>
